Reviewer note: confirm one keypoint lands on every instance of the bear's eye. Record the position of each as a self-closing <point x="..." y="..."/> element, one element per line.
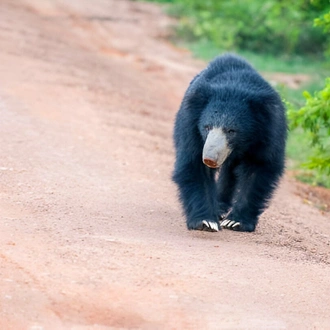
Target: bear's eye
<point x="207" y="128"/>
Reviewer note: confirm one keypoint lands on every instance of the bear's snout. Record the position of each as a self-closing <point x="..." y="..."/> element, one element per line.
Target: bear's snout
<point x="215" y="149"/>
<point x="210" y="163"/>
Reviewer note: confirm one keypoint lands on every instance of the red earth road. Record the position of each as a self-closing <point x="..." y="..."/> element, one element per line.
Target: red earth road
<point x="91" y="232"/>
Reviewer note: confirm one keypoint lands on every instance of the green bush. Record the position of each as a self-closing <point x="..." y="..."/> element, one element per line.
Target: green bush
<point x="324" y="22"/>
<point x="269" y="26"/>
<point x="314" y="119"/>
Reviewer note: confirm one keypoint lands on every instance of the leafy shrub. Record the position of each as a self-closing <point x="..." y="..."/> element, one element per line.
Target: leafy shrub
<point x="269" y="26"/>
<point x="324" y="22"/>
<point x="314" y="119"/>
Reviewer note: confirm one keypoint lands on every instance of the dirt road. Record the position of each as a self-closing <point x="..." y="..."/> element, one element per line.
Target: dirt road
<point x="91" y="233"/>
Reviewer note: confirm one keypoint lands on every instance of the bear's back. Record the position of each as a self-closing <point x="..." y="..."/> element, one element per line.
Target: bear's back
<point x="225" y="65"/>
<point x="236" y="77"/>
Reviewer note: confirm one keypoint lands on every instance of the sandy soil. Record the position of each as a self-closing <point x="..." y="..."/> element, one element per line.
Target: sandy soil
<point x="91" y="232"/>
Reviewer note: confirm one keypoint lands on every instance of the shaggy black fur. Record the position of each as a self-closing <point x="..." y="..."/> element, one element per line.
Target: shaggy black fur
<point x="229" y="94"/>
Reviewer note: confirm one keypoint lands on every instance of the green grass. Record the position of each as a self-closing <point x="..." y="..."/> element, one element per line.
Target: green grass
<point x="262" y="62"/>
<point x="298" y="150"/>
<point x="298" y="147"/>
<point x="316" y="69"/>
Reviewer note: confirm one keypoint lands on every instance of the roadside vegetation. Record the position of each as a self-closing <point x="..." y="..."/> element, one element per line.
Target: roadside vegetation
<point x="292" y="38"/>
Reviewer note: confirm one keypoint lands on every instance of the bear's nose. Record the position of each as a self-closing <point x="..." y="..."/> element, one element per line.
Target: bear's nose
<point x="210" y="163"/>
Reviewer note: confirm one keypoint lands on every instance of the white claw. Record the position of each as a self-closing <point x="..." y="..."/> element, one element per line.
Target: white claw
<point x="212" y="225"/>
<point x="215" y="227"/>
<point x="206" y="223"/>
<point x="224" y="223"/>
<point x="236" y="224"/>
<point x="231" y="223"/>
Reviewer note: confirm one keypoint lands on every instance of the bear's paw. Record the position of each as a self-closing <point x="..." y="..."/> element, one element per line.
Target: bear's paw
<point x="206" y="225"/>
<point x="230" y="224"/>
<point x="237" y="226"/>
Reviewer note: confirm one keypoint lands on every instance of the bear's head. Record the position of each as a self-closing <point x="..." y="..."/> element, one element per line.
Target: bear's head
<point x="230" y="120"/>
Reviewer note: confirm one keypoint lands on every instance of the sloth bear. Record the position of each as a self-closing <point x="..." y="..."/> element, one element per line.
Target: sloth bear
<point x="229" y="137"/>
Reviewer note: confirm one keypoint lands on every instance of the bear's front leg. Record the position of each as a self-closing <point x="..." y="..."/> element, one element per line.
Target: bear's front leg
<point x="225" y="189"/>
<point x="197" y="194"/>
<point x="255" y="186"/>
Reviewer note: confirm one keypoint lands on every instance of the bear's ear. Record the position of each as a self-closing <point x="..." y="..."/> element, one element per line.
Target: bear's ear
<point x="198" y="92"/>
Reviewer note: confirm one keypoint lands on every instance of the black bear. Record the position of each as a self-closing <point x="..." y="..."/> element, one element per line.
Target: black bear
<point x="231" y="122"/>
